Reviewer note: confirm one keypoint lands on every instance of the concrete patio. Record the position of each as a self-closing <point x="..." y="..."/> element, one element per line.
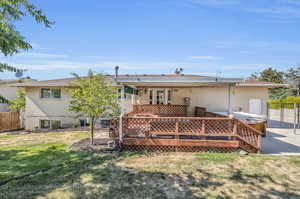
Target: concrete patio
<point x="281" y="141"/>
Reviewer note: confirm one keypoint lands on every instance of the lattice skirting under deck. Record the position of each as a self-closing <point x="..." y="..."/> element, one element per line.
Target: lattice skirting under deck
<point x="179" y="148"/>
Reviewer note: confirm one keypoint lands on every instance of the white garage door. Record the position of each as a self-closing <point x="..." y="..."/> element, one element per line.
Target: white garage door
<point x="255" y="106"/>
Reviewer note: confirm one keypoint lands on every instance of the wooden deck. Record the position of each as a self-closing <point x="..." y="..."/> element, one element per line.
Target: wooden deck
<point x="206" y="132"/>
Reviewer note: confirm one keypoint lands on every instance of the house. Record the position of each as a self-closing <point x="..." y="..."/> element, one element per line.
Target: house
<point x="9" y="92"/>
<point x="47" y="101"/>
<point x="168" y="112"/>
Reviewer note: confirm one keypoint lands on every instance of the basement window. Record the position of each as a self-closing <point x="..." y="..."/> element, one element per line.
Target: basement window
<point x="53" y="124"/>
<point x="45" y="124"/>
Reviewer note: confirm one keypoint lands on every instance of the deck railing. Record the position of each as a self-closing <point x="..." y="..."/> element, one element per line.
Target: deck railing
<point x="160" y="110"/>
<point x="190" y="131"/>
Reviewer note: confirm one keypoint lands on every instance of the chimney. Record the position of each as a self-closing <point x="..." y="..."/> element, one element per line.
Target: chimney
<point x="116" y="71"/>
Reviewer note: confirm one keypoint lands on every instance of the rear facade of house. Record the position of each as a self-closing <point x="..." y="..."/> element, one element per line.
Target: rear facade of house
<point x="47" y="101"/>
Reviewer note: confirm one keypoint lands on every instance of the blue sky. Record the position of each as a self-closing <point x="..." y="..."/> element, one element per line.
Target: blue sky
<point x="231" y="37"/>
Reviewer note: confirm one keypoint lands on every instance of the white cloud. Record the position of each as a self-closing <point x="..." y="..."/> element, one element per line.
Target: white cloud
<point x="204" y="57"/>
<point x="259" y="45"/>
<point x="291" y="2"/>
<point x="243" y="67"/>
<point x="287" y="9"/>
<point x="42" y="55"/>
<point x="277" y="11"/>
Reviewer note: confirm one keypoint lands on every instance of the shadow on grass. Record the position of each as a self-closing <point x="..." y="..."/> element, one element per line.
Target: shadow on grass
<point x="257" y="180"/>
<point x="92" y="175"/>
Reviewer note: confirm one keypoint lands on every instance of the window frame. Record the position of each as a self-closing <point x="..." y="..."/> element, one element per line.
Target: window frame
<point x="42" y="126"/>
<point x="52" y="121"/>
<point x="51" y="93"/>
<point x="42" y="93"/>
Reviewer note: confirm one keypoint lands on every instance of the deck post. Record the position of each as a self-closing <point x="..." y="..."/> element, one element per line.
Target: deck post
<point x="234" y="129"/>
<point x="203" y="129"/>
<point x="176" y="134"/>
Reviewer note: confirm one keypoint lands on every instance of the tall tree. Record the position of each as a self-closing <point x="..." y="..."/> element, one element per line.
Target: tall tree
<point x="11" y="40"/>
<point x="95" y="97"/>
<point x="293" y="78"/>
<point x="272" y="75"/>
<point x="269" y="75"/>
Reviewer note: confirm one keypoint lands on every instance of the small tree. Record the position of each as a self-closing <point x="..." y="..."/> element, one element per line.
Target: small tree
<point x="18" y="103"/>
<point x="95" y="97"/>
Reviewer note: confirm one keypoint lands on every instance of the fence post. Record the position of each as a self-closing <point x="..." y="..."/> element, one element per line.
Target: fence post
<point x="281" y="112"/>
<point x="298" y="113"/>
<point x="259" y="144"/>
<point x="268" y="109"/>
<point x="295" y="117"/>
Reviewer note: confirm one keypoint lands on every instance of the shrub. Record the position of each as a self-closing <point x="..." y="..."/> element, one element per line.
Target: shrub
<point x="288" y="102"/>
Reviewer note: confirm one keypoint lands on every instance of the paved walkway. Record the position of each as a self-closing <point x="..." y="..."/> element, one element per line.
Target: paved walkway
<point x="281" y="141"/>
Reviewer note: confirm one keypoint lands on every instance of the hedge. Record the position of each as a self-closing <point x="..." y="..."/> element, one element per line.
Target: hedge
<point x="288" y="102"/>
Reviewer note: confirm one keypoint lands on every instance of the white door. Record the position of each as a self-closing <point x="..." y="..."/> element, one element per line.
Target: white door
<point x="160" y="97"/>
<point x="255" y="106"/>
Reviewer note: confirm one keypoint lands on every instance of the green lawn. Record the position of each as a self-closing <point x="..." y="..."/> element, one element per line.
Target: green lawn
<point x="72" y="174"/>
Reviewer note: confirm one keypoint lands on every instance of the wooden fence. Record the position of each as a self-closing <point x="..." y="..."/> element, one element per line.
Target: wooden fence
<point x="9" y="121"/>
<point x="188" y="134"/>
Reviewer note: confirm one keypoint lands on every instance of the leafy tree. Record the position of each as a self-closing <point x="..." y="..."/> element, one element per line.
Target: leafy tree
<point x="293" y="78"/>
<point x="19" y="102"/>
<point x="11" y="40"/>
<point x="272" y="75"/>
<point x="95" y="97"/>
<point x="269" y="75"/>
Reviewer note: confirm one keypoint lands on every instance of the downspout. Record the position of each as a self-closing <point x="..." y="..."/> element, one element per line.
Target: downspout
<point x="121" y="116"/>
<point x="229" y="100"/>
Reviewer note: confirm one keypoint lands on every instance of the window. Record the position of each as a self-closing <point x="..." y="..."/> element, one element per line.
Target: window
<point x="169" y="96"/>
<point x="150" y="96"/>
<point x="45" y="124"/>
<point x="50" y="93"/>
<point x="55" y="124"/>
<point x="46" y="93"/>
<point x="83" y="123"/>
<point x="55" y="92"/>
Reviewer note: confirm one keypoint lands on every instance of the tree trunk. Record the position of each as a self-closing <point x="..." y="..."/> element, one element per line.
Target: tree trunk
<point x="92" y="129"/>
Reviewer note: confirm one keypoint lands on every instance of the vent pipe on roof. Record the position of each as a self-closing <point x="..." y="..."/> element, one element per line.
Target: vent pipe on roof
<point x="116" y="71"/>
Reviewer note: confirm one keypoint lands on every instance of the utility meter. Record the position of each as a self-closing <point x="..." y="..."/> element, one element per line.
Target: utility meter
<point x="187" y="101"/>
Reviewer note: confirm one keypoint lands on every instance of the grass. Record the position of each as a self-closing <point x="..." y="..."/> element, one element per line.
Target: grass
<point x="75" y="174"/>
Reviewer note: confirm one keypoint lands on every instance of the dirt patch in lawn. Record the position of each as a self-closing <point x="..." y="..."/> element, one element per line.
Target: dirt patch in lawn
<point x="100" y="145"/>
